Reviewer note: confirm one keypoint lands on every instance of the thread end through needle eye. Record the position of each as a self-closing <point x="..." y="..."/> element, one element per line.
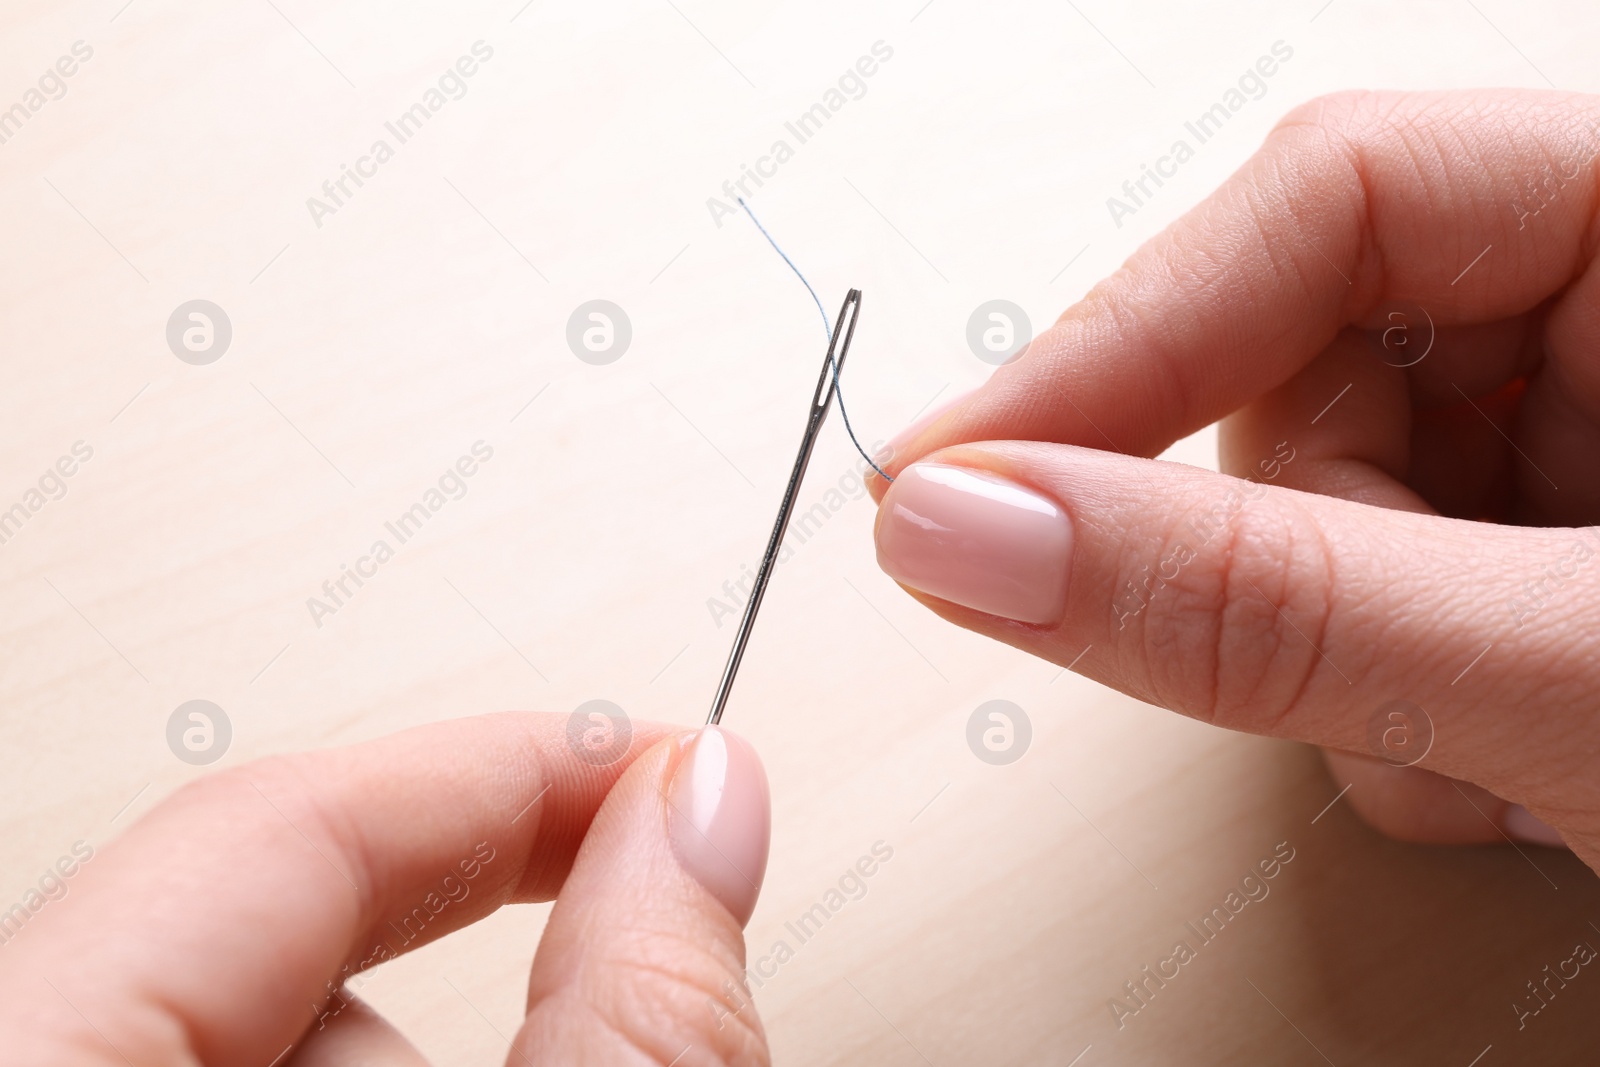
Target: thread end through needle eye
<point x="839" y="338"/>
<point x="836" y="390"/>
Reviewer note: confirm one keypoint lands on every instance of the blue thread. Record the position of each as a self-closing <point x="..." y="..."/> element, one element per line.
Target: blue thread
<point x="827" y="328"/>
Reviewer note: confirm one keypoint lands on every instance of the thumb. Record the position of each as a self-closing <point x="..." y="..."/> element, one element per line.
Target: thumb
<point x="1264" y="609"/>
<point x="643" y="957"/>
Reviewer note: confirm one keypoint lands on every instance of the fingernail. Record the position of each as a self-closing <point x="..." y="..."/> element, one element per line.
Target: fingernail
<point x="898" y="442"/>
<point x="977" y="540"/>
<point x="720" y="818"/>
<point x="1523" y="825"/>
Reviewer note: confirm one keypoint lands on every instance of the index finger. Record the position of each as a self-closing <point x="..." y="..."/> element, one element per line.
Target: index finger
<point x="217" y="929"/>
<point x="1475" y="205"/>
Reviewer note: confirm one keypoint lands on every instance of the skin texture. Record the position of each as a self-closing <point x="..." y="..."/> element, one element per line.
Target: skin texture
<point x="1388" y="553"/>
<point x="207" y="932"/>
<point x="1375" y="565"/>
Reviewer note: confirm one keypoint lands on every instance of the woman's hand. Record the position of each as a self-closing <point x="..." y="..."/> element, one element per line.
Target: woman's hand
<point x="1395" y="307"/>
<point x="221" y="928"/>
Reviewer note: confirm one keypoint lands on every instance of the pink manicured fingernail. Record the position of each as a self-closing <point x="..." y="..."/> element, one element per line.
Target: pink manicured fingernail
<point x="977" y="540"/>
<point x="899" y="441"/>
<point x="1523" y="825"/>
<point x="720" y="818"/>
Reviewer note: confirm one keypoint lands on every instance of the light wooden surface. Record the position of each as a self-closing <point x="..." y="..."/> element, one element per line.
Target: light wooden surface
<point x="430" y="309"/>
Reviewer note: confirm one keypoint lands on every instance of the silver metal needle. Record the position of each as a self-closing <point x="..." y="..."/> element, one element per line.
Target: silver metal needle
<point x="843" y="332"/>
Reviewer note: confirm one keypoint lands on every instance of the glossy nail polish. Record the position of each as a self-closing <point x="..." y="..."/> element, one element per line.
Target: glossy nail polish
<point x="719" y="818"/>
<point x="978" y="540"/>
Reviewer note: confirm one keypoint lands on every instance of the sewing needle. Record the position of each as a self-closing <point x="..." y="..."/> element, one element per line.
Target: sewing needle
<point x="843" y="331"/>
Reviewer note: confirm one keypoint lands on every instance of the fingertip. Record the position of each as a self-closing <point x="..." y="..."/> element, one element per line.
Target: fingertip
<point x="1409" y="803"/>
<point x="720" y="817"/>
<point x="645" y="949"/>
<point x="877" y="485"/>
<point x="979" y="540"/>
<point x="1520" y="824"/>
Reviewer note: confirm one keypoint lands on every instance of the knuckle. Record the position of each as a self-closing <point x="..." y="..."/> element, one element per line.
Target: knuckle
<point x="230" y="794"/>
<point x="662" y="998"/>
<point x="285" y="796"/>
<point x="1237" y="610"/>
<point x="1344" y="110"/>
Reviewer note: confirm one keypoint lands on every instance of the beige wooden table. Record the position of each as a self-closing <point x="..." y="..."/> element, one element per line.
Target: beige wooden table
<point x="377" y="338"/>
